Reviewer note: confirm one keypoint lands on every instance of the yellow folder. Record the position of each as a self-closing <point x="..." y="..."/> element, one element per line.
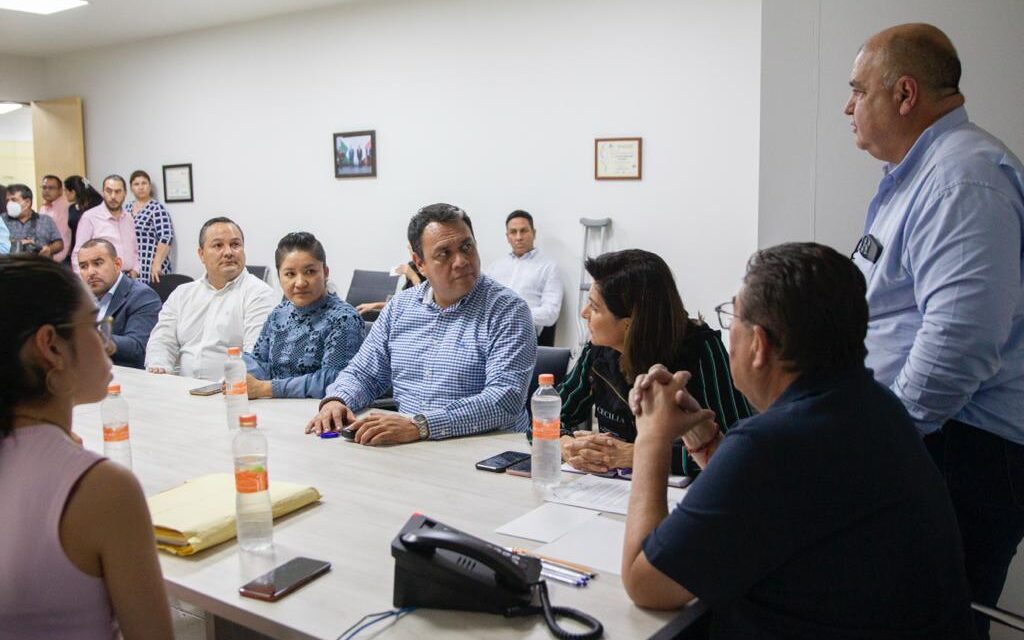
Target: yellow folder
<point x="201" y="513"/>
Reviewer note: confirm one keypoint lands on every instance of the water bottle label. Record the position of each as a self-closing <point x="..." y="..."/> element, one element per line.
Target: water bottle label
<point x="236" y="389"/>
<point x="251" y="480"/>
<point x="546" y="430"/>
<point x="115" y="433"/>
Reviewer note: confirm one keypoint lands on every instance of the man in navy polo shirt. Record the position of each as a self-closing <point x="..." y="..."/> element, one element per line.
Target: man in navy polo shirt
<point x="821" y="517"/>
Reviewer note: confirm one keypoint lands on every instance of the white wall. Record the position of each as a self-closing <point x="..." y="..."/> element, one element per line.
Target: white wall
<point x="815" y="184"/>
<point x="22" y="79"/>
<point x="489" y="105"/>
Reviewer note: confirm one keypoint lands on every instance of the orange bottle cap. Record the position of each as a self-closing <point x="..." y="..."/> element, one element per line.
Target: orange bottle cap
<point x="546" y="378"/>
<point x="247" y="420"/>
<point x="114" y="388"/>
<point x="234" y="351"/>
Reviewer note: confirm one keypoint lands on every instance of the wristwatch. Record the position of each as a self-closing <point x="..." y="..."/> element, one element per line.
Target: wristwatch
<point x="421" y="424"/>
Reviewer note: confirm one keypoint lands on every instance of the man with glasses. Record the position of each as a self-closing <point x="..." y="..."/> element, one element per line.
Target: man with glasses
<point x="942" y="254"/>
<point x="55" y="205"/>
<point x="821" y="517"/>
<point x="132" y="306"/>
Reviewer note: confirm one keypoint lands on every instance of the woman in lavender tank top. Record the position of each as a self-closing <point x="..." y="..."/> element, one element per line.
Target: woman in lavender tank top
<point x="78" y="557"/>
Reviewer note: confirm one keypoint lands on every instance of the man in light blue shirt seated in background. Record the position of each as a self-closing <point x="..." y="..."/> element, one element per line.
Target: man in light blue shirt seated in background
<point x="942" y="253"/>
<point x="458" y="349"/>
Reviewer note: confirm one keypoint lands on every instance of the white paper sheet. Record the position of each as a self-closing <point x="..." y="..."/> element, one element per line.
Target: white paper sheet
<point x="603" y="494"/>
<point x="547" y="522"/>
<point x="596" y="544"/>
<point x="673" y="480"/>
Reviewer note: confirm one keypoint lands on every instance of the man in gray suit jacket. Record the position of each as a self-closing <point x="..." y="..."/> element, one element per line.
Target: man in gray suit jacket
<point x="133" y="305"/>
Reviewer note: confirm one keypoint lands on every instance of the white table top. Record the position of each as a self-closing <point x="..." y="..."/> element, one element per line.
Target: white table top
<point x="368" y="494"/>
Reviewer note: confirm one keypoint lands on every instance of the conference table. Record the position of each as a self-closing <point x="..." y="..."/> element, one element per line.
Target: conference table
<point x="368" y="494"/>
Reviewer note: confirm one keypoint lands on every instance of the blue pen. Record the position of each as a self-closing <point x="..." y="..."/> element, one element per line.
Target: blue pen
<point x="329" y="434"/>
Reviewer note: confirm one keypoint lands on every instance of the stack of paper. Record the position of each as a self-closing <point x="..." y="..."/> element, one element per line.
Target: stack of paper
<point x="201" y="513"/>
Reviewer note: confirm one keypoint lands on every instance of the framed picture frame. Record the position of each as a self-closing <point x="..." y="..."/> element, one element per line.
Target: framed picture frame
<point x="618" y="158"/>
<point x="355" y="154"/>
<point x="178" y="183"/>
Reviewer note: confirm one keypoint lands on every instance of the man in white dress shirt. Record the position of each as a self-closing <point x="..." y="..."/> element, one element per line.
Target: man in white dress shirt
<point x="201" y="319"/>
<point x="534" y="277"/>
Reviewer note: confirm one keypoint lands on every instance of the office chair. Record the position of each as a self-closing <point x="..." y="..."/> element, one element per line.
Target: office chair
<point x="370" y="286"/>
<point x="168" y="283"/>
<point x="553" y="360"/>
<point x="258" y="271"/>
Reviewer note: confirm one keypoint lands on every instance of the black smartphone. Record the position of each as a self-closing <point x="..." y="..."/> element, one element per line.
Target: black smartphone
<point x="521" y="468"/>
<point x="502" y="461"/>
<point x="208" y="390"/>
<point x="280" y="581"/>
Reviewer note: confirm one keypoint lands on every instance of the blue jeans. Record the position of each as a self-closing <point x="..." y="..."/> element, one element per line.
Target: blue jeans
<point x="985" y="476"/>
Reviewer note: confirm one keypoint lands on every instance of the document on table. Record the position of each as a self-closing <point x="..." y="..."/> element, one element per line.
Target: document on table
<point x="547" y="522"/>
<point x="603" y="494"/>
<point x="596" y="544"/>
<point x="626" y="474"/>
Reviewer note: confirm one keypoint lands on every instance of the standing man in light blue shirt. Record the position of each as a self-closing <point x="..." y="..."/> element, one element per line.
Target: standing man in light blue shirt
<point x="942" y="254"/>
<point x="458" y="349"/>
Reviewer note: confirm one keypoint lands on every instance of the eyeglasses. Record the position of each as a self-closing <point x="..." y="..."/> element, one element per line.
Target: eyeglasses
<point x="104" y="327"/>
<point x="726" y="314"/>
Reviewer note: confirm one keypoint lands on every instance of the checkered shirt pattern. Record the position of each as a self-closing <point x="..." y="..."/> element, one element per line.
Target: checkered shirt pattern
<point x="466" y="368"/>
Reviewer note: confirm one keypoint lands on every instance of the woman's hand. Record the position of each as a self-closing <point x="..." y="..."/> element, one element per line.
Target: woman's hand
<point x="154" y="273"/>
<point x="596" y="452"/>
<point x="258" y="388"/>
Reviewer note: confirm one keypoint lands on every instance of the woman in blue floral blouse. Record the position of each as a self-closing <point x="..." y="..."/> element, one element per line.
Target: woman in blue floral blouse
<point x="308" y="338"/>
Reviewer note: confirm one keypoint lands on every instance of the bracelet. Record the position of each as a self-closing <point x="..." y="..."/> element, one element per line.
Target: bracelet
<point x="707" y="445"/>
<point x="329" y="399"/>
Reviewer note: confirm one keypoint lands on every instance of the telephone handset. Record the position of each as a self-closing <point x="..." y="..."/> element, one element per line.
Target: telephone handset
<point x="513" y="571"/>
<point x="439" y="567"/>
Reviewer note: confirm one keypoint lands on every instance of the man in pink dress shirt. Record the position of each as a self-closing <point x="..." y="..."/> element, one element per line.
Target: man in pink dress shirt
<point x="110" y="222"/>
<point x="55" y="205"/>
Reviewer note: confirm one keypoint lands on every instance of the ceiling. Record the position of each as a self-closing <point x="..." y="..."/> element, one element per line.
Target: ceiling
<point x="107" y="22"/>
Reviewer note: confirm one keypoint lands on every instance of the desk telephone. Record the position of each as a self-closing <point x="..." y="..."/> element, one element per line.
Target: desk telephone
<point x="439" y="567"/>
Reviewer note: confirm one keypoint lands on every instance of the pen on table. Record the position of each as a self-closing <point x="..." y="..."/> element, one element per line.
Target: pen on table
<point x="568" y="573"/>
<point x="587" y="571"/>
<point x="557" y="578"/>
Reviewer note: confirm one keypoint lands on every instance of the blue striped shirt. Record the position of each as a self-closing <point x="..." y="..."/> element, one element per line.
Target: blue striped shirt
<point x="466" y="367"/>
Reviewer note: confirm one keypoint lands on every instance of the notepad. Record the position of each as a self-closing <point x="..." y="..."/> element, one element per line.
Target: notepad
<point x="201" y="513"/>
<point x="603" y="494"/>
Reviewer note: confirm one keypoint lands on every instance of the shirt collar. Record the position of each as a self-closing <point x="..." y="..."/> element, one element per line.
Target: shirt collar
<point x="809" y="385"/>
<point x="951" y="120"/>
<point x="228" y="285"/>
<point x="105" y="299"/>
<point x="526" y="256"/>
<point x="428" y="296"/>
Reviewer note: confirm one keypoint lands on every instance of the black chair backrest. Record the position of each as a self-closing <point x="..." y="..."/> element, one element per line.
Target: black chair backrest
<point x="370" y="286"/>
<point x="258" y="271"/>
<point x="168" y="283"/>
<point x="553" y="360"/>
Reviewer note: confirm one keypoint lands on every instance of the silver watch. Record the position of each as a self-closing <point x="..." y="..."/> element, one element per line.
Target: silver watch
<point x="421" y="424"/>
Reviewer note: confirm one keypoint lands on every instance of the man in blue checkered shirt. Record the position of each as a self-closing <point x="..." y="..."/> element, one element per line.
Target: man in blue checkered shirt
<point x="458" y="349"/>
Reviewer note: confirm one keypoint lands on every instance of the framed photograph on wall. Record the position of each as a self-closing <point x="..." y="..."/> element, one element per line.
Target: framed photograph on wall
<point x="178" y="182"/>
<point x="355" y="154"/>
<point x="618" y="158"/>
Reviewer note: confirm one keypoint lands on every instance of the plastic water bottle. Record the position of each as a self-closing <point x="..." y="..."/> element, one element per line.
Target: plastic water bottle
<point x="236" y="392"/>
<point x="114" y="412"/>
<point x="254" y="518"/>
<point x="546" y="458"/>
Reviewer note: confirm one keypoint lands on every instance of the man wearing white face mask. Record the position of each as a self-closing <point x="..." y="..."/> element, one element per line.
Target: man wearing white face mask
<point x="29" y="232"/>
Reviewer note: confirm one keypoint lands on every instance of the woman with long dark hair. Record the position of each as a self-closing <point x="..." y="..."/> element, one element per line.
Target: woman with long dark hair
<point x="78" y="557"/>
<point x="637" y="319"/>
<point x="81" y="197"/>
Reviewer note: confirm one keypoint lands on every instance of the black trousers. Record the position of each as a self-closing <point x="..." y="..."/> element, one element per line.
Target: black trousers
<point x="985" y="476"/>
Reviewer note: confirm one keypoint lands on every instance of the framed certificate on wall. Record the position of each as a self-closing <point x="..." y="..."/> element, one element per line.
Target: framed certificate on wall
<point x="178" y="182"/>
<point x="618" y="158"/>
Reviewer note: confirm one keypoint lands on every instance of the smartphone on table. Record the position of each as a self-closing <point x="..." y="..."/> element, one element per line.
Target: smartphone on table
<point x="280" y="581"/>
<point x="502" y="461"/>
<point x="520" y="468"/>
<point x="208" y="390"/>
